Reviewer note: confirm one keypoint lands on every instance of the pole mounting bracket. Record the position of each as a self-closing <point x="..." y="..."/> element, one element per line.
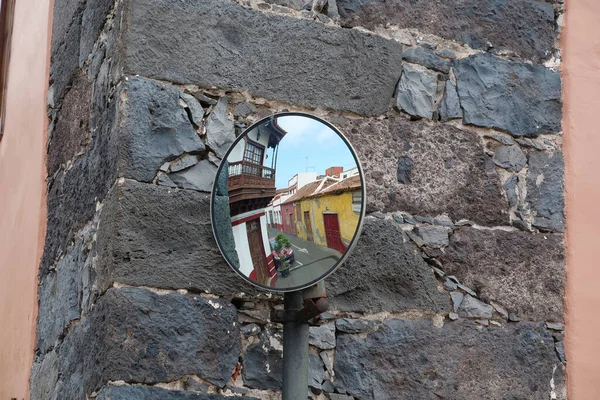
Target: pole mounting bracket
<point x="314" y="303"/>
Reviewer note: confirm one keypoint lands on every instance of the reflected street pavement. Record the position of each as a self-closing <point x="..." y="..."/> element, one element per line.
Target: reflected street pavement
<point x="305" y="269"/>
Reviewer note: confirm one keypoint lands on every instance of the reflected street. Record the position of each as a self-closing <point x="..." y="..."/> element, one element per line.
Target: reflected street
<point x="305" y="269"/>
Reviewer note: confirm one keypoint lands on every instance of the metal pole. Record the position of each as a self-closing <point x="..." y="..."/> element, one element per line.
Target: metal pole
<point x="295" y="351"/>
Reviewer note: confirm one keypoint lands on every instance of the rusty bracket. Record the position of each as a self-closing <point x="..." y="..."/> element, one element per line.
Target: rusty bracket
<point x="314" y="304"/>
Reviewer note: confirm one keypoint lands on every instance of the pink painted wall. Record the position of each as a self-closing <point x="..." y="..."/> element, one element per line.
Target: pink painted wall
<point x="22" y="193"/>
<point x="581" y="129"/>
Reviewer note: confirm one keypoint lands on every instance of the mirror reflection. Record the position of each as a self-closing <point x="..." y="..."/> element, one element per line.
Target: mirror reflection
<point x="287" y="202"/>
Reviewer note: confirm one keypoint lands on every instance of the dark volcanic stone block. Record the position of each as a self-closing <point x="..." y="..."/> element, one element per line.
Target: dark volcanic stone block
<point x="76" y="27"/>
<point x="162" y="237"/>
<point x="135" y="335"/>
<point x="64" y="58"/>
<point x="385" y="273"/>
<point x="220" y="43"/>
<point x="74" y="194"/>
<point x="525" y="27"/>
<point x="62" y="296"/>
<point x="524" y="272"/>
<point x="520" y="98"/>
<point x="545" y="190"/>
<point x="156" y="393"/>
<point x="449" y="171"/>
<point x="72" y="130"/>
<point x="414" y="359"/>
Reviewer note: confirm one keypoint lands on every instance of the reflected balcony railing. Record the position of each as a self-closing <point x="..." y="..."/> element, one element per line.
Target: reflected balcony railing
<point x="246" y="175"/>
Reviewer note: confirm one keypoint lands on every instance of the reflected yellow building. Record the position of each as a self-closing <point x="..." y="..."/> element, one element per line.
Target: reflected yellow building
<point x="328" y="215"/>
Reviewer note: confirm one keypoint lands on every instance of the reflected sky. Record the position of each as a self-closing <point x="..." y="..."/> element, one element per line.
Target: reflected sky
<point x="310" y="138"/>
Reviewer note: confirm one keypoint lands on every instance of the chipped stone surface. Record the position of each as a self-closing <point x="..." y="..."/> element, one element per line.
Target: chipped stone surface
<point x="501" y="94"/>
<point x="413" y="348"/>
<point x="417" y="90"/>
<point x="524" y="272"/>
<point x="384" y="273"/>
<point x="154" y="129"/>
<point x="451" y="174"/>
<point x="353" y="72"/>
<point x="525" y="28"/>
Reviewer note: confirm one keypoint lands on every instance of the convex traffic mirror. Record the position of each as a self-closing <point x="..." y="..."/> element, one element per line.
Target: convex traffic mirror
<point x="288" y="202"/>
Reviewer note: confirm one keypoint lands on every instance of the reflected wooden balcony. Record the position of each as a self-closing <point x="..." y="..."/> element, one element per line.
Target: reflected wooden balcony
<point x="250" y="186"/>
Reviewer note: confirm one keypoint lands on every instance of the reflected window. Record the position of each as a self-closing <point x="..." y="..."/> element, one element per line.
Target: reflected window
<point x="253" y="158"/>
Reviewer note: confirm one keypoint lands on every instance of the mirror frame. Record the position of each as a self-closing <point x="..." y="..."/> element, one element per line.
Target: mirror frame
<point x="359" y="227"/>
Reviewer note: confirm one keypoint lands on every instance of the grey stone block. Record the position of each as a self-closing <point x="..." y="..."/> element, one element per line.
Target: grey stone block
<point x="155" y="393"/>
<point x="470" y="307"/>
<point x="426" y="58"/>
<point x="525" y="27"/>
<point x="545" y="189"/>
<point x="433" y="236"/>
<point x="93" y="19"/>
<point x="316" y="373"/>
<point x="450" y="104"/>
<point x="194" y="108"/>
<point x="522" y="99"/>
<point x="524" y="272"/>
<point x="154" y="236"/>
<point x="417" y="90"/>
<point x="154" y="128"/>
<point x="478" y="357"/>
<point x="341" y="69"/>
<point x="510" y="186"/>
<point x="219" y="129"/>
<point x="322" y="337"/>
<point x="450" y="172"/>
<point x="263" y="362"/>
<point x="199" y="177"/>
<point x="511" y="158"/>
<point x="351" y="325"/>
<point x="385" y="274"/>
<point x="184" y="162"/>
<point x="44" y="377"/>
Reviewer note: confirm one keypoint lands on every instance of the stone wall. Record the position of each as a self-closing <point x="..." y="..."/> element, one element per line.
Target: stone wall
<point x="456" y="287"/>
